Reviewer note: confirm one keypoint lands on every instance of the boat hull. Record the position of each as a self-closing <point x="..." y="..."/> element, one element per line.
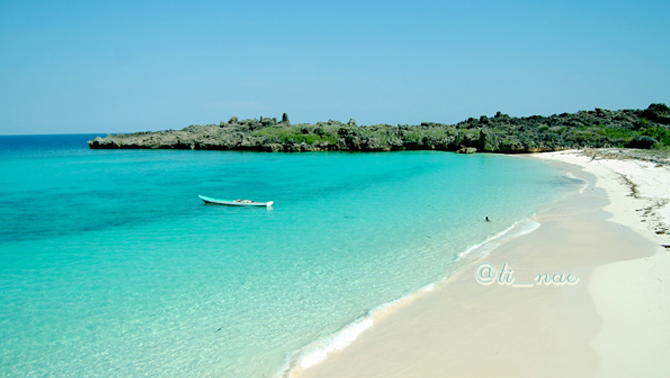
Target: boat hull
<point x="234" y="203"/>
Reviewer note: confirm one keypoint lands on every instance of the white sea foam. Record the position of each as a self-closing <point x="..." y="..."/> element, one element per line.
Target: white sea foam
<point x="336" y="342"/>
<point x="522" y="227"/>
<point x="427" y="288"/>
<point x="318" y="350"/>
<point x="570" y="176"/>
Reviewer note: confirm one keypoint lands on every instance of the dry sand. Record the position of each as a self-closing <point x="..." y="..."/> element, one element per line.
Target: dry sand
<point x="613" y="322"/>
<point x="632" y="296"/>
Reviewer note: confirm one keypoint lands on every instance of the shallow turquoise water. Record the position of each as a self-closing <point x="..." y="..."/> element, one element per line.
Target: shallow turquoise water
<point x="110" y="265"/>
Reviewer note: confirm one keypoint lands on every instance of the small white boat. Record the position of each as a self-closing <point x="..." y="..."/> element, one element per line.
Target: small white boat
<point x="235" y="202"/>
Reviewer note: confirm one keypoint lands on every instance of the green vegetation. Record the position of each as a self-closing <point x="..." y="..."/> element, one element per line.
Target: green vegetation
<point x="624" y="134"/>
<point x="295" y="134"/>
<point x="661" y="134"/>
<point x="640" y="129"/>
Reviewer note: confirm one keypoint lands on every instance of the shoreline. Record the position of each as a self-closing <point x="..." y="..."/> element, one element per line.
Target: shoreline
<point x="318" y="350"/>
<point x="546" y="325"/>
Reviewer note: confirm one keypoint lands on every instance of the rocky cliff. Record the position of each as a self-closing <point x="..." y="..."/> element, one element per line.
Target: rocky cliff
<point x="644" y="129"/>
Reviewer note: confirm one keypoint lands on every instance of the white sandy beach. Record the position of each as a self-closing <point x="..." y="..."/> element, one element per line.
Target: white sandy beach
<point x="632" y="296"/>
<point x="613" y="322"/>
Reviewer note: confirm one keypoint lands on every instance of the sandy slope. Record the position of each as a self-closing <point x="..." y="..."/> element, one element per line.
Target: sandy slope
<point x="613" y="322"/>
<point x="632" y="296"/>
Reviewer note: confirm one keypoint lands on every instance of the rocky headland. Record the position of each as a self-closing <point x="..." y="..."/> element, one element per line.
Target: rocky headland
<point x="600" y="128"/>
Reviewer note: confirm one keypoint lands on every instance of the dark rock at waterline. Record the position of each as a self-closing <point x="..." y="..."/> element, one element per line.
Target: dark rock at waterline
<point x="467" y="150"/>
<point x="645" y="129"/>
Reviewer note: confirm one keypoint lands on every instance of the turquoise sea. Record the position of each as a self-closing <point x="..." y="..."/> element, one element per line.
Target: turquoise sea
<point x="110" y="265"/>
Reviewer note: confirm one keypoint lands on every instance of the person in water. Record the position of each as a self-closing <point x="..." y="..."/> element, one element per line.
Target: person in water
<point x="487" y="219"/>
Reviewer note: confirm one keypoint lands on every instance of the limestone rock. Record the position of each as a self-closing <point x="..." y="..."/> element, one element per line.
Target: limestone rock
<point x="467" y="150"/>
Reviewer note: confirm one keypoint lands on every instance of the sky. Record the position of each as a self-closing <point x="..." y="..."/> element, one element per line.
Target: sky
<point x="124" y="66"/>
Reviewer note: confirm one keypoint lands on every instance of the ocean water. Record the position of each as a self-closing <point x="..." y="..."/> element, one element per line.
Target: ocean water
<point x="110" y="265"/>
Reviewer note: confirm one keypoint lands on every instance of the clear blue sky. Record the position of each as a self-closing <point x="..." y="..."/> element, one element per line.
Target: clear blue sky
<point x="118" y="66"/>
